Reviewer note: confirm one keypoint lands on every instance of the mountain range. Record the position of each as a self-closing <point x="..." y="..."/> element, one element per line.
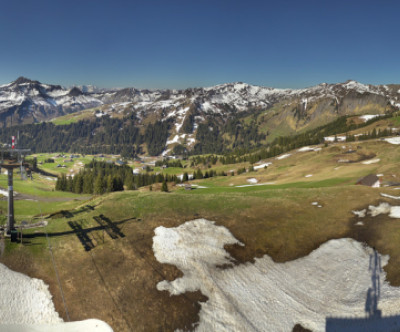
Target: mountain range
<point x="273" y="111"/>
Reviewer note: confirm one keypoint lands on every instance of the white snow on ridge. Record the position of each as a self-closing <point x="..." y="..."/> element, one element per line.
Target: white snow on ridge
<point x="332" y="281"/>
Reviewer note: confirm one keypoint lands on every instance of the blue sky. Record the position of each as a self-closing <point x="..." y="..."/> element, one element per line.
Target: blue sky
<point x="178" y="44"/>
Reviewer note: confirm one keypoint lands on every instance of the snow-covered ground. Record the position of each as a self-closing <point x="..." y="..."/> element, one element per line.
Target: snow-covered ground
<point x="309" y="148"/>
<point x="368" y="117"/>
<point x="390" y="196"/>
<point x="284" y="156"/>
<point x="89" y="325"/>
<point x="393" y="140"/>
<point x="252" y="180"/>
<point x="372" y="161"/>
<point x="334" y="280"/>
<point x="255" y="184"/>
<point x="262" y="166"/>
<point x="332" y="138"/>
<point x="26" y="305"/>
<point x="384" y="208"/>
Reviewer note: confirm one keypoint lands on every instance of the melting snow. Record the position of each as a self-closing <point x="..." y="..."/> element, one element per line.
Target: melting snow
<point x="262" y="165"/>
<point x="390" y="196"/>
<point x="332" y="138"/>
<point x="283" y="156"/>
<point x="368" y="117"/>
<point x="385" y="208"/>
<point x="393" y="140"/>
<point x="26" y="305"/>
<point x="308" y="148"/>
<point x="372" y="161"/>
<point x="331" y="281"/>
<point x="252" y="180"/>
<point x="361" y="213"/>
<point x="25" y="300"/>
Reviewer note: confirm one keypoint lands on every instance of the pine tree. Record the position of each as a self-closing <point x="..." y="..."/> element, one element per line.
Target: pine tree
<point x="98" y="185"/>
<point x="164" y="187"/>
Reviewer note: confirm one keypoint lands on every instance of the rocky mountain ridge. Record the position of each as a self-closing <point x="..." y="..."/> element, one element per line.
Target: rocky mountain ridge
<point x="273" y="111"/>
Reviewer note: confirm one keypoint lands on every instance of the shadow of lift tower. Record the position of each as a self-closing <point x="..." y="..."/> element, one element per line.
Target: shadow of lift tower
<point x="11" y="158"/>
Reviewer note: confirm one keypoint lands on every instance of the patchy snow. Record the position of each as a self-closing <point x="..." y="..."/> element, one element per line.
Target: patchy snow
<point x="359" y="223"/>
<point x="256" y="184"/>
<point x="384" y="208"/>
<point x="309" y="148"/>
<point x="308" y="176"/>
<point x="174" y="140"/>
<point x="390" y="196"/>
<point x="165" y="152"/>
<point x="284" y="156"/>
<point x="361" y="213"/>
<point x="332" y="138"/>
<point x="314" y="203"/>
<point x="333" y="280"/>
<point x="262" y="166"/>
<point x="368" y="117"/>
<point x="252" y="180"/>
<point x="372" y="161"/>
<point x="393" y="140"/>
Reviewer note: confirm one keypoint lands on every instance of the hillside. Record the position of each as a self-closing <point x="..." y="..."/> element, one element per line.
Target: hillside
<point x="297" y="210"/>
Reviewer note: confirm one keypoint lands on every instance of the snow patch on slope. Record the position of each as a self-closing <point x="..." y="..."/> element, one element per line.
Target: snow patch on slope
<point x="267" y="296"/>
<point x="25" y="300"/>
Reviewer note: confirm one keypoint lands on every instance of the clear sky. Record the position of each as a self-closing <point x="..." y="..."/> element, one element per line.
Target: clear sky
<point x="178" y="44"/>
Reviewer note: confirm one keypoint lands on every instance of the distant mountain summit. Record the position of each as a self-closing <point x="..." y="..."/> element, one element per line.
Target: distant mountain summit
<point x="28" y="101"/>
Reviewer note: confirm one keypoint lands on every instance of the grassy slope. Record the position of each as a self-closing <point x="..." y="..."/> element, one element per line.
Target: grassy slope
<point x="116" y="280"/>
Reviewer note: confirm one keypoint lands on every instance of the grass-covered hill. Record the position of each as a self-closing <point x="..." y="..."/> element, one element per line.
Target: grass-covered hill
<point x="102" y="245"/>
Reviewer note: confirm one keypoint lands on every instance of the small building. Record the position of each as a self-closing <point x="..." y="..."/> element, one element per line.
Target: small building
<point x="371" y="180"/>
<point x="188" y="187"/>
<point x="120" y="163"/>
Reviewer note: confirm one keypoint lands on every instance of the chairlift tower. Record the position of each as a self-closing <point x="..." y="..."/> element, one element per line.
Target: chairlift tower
<point x="11" y="158"/>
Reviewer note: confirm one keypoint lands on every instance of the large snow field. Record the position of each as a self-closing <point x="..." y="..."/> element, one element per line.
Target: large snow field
<point x="332" y="281"/>
<point x="26" y="305"/>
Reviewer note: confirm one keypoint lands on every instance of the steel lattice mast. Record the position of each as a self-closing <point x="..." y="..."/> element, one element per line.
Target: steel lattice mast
<point x="14" y="159"/>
